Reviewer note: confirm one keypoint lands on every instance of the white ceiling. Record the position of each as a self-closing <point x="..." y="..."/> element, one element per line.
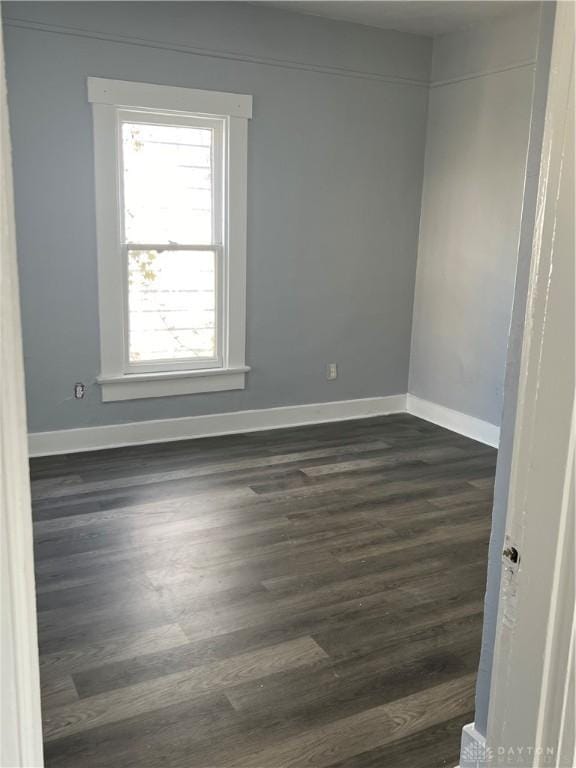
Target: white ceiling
<point x="424" y="17"/>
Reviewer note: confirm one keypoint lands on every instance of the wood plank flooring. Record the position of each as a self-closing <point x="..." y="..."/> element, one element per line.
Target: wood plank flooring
<point x="293" y="598"/>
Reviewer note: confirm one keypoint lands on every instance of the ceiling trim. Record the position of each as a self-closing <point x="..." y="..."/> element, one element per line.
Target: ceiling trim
<point x="213" y="52"/>
<point x="483" y="73"/>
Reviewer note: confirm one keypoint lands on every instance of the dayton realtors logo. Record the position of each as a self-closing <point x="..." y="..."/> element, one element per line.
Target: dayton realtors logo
<point x="477" y="756"/>
<point x="480" y="756"/>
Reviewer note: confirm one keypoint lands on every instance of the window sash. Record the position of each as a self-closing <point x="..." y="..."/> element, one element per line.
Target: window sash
<point x="180" y="363"/>
<point x="218" y="128"/>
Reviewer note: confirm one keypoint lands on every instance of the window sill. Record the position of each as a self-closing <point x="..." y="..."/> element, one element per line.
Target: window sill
<point x="133" y="386"/>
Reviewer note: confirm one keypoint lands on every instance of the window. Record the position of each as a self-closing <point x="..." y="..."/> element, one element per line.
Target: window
<point x="170" y="169"/>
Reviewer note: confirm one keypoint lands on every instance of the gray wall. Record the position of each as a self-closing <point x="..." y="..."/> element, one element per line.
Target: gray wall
<point x="513" y="367"/>
<point x="336" y="152"/>
<point x="476" y="151"/>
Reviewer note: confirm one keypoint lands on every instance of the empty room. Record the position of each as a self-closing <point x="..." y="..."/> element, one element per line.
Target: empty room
<point x="269" y="433"/>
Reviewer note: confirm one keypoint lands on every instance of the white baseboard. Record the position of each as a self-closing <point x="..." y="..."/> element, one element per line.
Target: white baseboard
<point x="469" y="426"/>
<point x="473" y="752"/>
<point x="189" y="427"/>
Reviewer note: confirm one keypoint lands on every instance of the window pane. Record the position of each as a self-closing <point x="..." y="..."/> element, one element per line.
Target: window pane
<point x="167" y="184"/>
<point x="172" y="305"/>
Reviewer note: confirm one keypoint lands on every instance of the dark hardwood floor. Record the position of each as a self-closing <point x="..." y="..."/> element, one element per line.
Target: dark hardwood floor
<point x="302" y="597"/>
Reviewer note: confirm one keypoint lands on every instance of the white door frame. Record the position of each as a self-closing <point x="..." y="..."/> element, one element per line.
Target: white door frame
<point x="531" y="711"/>
<point x="21" y="739"/>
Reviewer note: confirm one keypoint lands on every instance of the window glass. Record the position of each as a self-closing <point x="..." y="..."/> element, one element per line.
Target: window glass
<point x="172" y="305"/>
<point x="168" y="183"/>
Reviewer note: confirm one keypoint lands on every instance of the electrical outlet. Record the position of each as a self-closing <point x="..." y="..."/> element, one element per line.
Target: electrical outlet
<point x="79" y="390"/>
<point x="331" y="371"/>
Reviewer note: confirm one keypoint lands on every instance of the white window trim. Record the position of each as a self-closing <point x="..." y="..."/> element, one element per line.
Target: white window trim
<point x="108" y="98"/>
